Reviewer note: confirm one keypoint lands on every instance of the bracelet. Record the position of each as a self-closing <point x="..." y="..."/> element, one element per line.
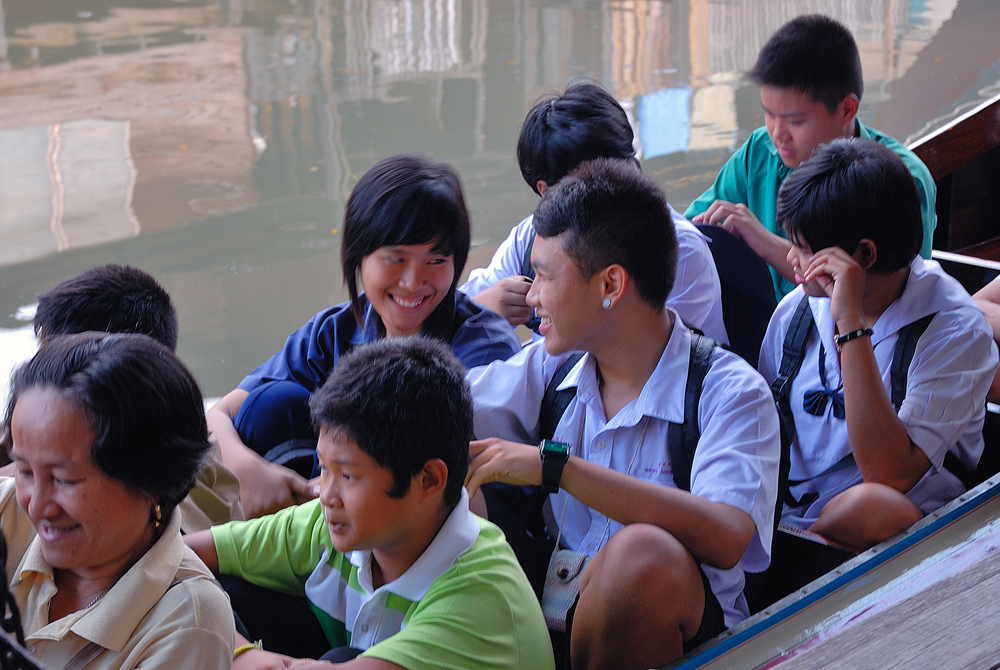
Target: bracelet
<point x="853" y="335"/>
<point x="259" y="644"/>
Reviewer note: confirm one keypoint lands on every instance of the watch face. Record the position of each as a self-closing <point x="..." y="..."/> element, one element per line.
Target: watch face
<point x="552" y="447"/>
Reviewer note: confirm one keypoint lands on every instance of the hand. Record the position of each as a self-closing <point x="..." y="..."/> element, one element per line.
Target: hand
<point x="496" y="460"/>
<point x="266" y="488"/>
<point x="738" y="220"/>
<point x="843" y="279"/>
<point x="507" y="298"/>
<point x="258" y="659"/>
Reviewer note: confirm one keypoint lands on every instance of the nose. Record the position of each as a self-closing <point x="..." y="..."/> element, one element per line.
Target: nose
<point x="41" y="504"/>
<point x="328" y="493"/>
<point x="532" y="296"/>
<point x="779" y="129"/>
<point x="412" y="276"/>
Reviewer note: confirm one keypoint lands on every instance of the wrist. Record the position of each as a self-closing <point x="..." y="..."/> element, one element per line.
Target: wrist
<point x="852" y="335"/>
<point x="250" y="646"/>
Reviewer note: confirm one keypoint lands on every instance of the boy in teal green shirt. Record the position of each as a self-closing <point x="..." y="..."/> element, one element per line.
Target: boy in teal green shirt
<point x="391" y="560"/>
<point x="810" y="88"/>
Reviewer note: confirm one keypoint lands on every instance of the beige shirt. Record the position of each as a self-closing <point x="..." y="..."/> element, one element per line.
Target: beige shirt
<point x="165" y="612"/>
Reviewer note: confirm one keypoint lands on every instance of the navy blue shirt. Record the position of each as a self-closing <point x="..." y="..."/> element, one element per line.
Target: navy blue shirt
<point x="477" y="336"/>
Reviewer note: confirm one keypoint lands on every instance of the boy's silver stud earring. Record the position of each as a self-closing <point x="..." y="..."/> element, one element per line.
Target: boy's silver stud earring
<point x="606" y="304"/>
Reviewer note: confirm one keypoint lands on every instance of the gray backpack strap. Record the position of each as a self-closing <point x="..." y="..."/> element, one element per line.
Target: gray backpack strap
<point x="84" y="657"/>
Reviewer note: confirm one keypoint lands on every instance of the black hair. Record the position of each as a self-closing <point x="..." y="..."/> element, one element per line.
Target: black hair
<point x="562" y="131"/>
<point x="111" y="299"/>
<point x="849" y="190"/>
<point x="813" y="54"/>
<point x="403" y="401"/>
<point x="612" y="213"/>
<point x="405" y="199"/>
<point x="143" y="406"/>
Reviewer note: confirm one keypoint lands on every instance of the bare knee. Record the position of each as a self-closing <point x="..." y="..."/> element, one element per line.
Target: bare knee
<point x="866" y="514"/>
<point x="642" y="596"/>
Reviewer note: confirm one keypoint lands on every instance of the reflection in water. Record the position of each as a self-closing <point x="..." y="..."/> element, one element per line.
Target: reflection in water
<point x="231" y="131"/>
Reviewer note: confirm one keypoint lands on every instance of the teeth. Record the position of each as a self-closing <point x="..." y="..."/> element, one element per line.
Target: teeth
<point x="408" y="303"/>
<point x="546" y="320"/>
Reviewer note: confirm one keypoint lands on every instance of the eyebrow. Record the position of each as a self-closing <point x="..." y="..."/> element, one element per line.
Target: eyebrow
<point x="773" y="113"/>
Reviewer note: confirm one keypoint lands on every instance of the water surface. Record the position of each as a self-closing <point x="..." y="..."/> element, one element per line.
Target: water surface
<point x="214" y="143"/>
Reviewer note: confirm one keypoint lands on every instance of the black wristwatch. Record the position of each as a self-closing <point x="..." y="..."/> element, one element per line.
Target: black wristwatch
<point x="554" y="457"/>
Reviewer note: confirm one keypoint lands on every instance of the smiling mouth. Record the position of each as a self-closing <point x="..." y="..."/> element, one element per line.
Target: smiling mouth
<point x="544" y="320"/>
<point x="409" y="303"/>
<point x="54" y="534"/>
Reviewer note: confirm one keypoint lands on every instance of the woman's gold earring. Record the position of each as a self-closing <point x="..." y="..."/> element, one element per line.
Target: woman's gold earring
<point x="158" y="513"/>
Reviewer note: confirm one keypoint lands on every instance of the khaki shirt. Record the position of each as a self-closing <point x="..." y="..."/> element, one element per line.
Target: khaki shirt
<point x="167" y="611"/>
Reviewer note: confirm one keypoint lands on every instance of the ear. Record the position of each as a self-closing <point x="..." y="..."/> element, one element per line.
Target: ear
<point x="849" y="109"/>
<point x="541" y="186"/>
<point x="614" y="281"/>
<point x="866" y="254"/>
<point x="432" y="479"/>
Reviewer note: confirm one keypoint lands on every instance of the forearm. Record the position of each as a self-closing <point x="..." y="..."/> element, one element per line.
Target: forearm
<point x="203" y="544"/>
<point x="220" y="419"/>
<point x="881" y="446"/>
<point x="774" y="250"/>
<point x="715" y="533"/>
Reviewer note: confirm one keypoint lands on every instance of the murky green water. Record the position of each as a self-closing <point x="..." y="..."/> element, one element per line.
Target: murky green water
<point x="214" y="143"/>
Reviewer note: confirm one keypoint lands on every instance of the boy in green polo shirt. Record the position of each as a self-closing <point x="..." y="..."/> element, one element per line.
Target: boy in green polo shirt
<point x="393" y="564"/>
<point x="810" y="80"/>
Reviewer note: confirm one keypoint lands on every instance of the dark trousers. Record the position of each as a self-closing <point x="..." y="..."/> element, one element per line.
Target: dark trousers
<point x="272" y="414"/>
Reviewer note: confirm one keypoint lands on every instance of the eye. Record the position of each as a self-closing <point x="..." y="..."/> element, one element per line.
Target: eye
<point x="347" y="477"/>
<point x="437" y="261"/>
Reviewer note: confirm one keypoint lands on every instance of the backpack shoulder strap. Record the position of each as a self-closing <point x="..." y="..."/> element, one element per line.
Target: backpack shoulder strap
<point x="555" y="402"/>
<point x="902" y="356"/>
<point x="682" y="438"/>
<point x="526" y="269"/>
<point x="793" y="351"/>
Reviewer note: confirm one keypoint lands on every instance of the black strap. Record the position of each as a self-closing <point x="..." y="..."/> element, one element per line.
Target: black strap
<point x="793" y="351"/>
<point x="555" y="402"/>
<point x="526" y="269"/>
<point x="682" y="438"/>
<point x="906" y="345"/>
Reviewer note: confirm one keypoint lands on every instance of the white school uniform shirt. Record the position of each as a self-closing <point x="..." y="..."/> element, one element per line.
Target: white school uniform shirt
<point x="946" y="386"/>
<point x="736" y="461"/>
<point x="697" y="293"/>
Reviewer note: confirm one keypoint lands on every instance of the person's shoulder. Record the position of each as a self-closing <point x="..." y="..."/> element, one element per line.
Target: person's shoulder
<point x="916" y="166"/>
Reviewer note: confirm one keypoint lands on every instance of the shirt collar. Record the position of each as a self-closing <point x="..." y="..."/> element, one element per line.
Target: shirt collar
<point x="456" y="536"/>
<point x="112" y="620"/>
<point x="662" y="397"/>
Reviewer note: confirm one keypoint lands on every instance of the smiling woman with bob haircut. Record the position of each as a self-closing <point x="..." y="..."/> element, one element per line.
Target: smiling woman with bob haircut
<point x="107" y="435"/>
<point x="406" y="238"/>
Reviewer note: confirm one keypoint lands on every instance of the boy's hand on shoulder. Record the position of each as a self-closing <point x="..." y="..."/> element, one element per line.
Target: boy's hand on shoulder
<point x="258" y="659"/>
<point x="266" y="488"/>
<point x="508" y="299"/>
<point x="496" y="460"/>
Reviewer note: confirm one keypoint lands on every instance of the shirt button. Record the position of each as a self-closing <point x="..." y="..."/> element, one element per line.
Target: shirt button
<point x="364" y="629"/>
<point x="30" y="648"/>
<point x="600" y="445"/>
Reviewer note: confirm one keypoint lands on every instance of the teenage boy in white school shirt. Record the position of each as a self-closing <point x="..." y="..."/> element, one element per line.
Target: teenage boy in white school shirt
<point x="558" y="134"/>
<point x="870" y="472"/>
<point x="671" y="574"/>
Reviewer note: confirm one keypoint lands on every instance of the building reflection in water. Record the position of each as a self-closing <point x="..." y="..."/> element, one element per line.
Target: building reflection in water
<point x="230" y="132"/>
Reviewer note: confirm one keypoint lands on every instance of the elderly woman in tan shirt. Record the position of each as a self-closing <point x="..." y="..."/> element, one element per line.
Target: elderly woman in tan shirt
<point x="107" y="435"/>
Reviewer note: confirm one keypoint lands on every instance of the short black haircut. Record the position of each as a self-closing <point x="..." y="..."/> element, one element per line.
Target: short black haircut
<point x="143" y="406"/>
<point x="111" y="299"/>
<point x="849" y="190"/>
<point x="403" y="401"/>
<point x="813" y="54"/>
<point x="612" y="213"/>
<point x="562" y="131"/>
<point x="404" y="199"/>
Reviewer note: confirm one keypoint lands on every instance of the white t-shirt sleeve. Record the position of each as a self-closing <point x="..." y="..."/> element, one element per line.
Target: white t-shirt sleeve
<point x="506" y="261"/>
<point x="697" y="292"/>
